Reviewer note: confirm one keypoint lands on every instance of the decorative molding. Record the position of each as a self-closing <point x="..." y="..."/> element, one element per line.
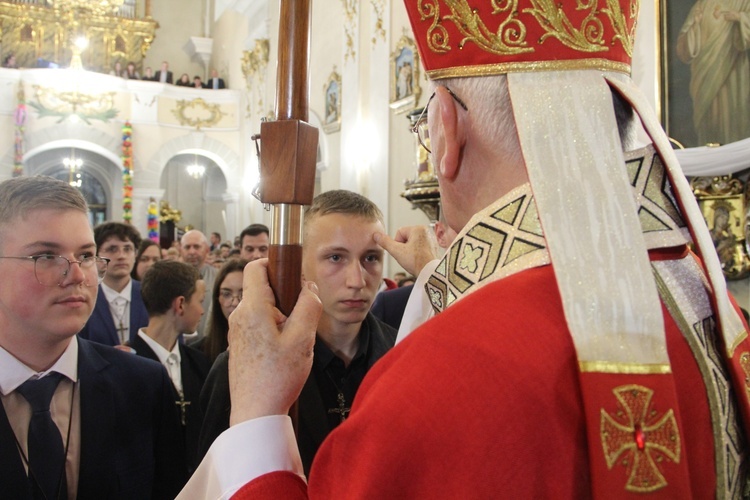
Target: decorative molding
<point x="198" y="113"/>
<point x="254" y="64"/>
<point x="62" y="104"/>
<point x="378" y="8"/>
<point x="350" y="28"/>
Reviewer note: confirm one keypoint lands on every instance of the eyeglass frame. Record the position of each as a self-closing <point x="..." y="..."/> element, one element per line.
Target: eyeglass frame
<point x="223" y="296"/>
<point x="423" y="116"/>
<point x="96" y="260"/>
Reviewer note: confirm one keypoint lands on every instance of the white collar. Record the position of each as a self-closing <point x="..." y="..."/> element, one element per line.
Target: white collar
<point x="13" y="372"/>
<point x="112" y="294"/>
<point x="158" y="349"/>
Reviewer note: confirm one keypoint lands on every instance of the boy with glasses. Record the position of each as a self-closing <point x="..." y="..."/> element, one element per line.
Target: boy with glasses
<point x="119" y="310"/>
<point x="78" y="419"/>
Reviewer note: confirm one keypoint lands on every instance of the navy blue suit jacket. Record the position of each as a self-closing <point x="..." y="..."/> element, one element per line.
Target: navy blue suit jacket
<point x="194" y="369"/>
<point x="389" y="305"/>
<point x="129" y="431"/>
<point x="101" y="326"/>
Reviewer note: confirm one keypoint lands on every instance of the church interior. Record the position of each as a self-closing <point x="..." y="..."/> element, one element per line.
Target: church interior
<point x="82" y="99"/>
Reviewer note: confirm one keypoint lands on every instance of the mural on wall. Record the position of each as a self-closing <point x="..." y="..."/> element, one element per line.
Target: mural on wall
<point x="332" y="89"/>
<point x="405" y="90"/>
<point x="706" y="71"/>
<point x="49" y="102"/>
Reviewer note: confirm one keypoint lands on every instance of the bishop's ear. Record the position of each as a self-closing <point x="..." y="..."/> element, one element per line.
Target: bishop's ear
<point x="451" y="129"/>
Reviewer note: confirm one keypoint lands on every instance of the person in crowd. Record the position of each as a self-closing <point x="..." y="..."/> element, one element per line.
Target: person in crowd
<point x="130" y="72"/>
<point x="148" y="74"/>
<point x="184" y="81"/>
<point x="195" y="252"/>
<point x="117" y="70"/>
<point x="254" y="242"/>
<point x="148" y="253"/>
<point x="224" y="249"/>
<point x="225" y="296"/>
<point x="163" y="75"/>
<point x="172" y="253"/>
<point x="578" y="339"/>
<point x="341" y="257"/>
<point x="10" y="61"/>
<point x="215" y="82"/>
<point x="173" y="293"/>
<point x="198" y="83"/>
<point x="78" y="419"/>
<point x="215" y="240"/>
<point x="119" y="312"/>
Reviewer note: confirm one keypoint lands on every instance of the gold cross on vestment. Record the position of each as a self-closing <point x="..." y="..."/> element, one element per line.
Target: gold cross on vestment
<point x="639" y="438"/>
<point x="182" y="404"/>
<point x="342" y="410"/>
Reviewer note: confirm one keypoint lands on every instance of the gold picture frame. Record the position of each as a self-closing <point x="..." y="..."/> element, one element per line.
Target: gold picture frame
<point x="698" y="48"/>
<point x="404" y="76"/>
<point x="332" y="99"/>
<point x="724" y="204"/>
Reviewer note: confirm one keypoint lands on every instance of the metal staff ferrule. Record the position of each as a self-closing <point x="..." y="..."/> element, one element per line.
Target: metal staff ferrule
<point x="286" y="225"/>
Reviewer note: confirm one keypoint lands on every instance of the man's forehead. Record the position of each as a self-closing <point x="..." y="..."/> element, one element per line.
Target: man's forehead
<point x="115" y="239"/>
<point x="192" y="239"/>
<point x="344" y="232"/>
<point x="38" y="235"/>
<point x="255" y="238"/>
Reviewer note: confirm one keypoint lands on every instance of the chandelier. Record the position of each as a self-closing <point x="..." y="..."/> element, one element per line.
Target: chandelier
<point x="73" y="165"/>
<point x="195" y="169"/>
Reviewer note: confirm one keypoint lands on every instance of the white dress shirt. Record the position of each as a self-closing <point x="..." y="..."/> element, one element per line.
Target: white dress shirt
<point x="119" y="307"/>
<point x="170" y="359"/>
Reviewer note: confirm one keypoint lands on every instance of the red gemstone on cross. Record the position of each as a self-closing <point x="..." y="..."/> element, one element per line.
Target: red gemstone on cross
<point x="640" y="437"/>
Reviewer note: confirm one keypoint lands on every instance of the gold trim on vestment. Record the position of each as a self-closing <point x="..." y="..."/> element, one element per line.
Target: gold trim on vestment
<point x="623" y="368"/>
<point x="740" y="338"/>
<point x="518" y="67"/>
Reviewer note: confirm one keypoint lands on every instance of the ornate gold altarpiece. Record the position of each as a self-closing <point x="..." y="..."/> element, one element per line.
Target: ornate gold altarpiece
<point x="36" y="29"/>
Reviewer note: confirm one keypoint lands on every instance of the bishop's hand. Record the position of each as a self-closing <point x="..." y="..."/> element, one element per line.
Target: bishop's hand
<point x="412" y="247"/>
<point x="270" y="356"/>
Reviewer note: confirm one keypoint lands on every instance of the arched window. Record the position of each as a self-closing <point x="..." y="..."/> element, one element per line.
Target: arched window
<point x="92" y="191"/>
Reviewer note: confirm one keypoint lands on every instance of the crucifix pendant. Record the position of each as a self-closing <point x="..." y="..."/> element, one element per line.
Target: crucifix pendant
<point x="121" y="333"/>
<point x="182" y="404"/>
<point x="342" y="410"/>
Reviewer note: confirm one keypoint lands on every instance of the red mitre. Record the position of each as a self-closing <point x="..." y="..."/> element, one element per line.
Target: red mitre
<point x="458" y="38"/>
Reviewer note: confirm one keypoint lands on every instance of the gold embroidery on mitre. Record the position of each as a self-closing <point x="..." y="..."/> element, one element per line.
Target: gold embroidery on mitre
<point x="509" y="39"/>
<point x="639" y="438"/>
<point x="510" y="36"/>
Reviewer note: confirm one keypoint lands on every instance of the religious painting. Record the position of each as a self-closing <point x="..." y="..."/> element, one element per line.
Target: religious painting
<point x="405" y="90"/>
<point x="705" y="70"/>
<point x="332" y="89"/>
<point x="724" y="204"/>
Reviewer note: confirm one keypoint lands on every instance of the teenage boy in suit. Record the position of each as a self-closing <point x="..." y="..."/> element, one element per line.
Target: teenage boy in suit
<point x="109" y="431"/>
<point x="173" y="293"/>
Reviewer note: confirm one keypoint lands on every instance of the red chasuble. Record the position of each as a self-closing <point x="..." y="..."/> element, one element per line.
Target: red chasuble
<point x="485" y="401"/>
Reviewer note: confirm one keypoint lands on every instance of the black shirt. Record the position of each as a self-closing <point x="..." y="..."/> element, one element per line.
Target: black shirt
<point x="318" y="395"/>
